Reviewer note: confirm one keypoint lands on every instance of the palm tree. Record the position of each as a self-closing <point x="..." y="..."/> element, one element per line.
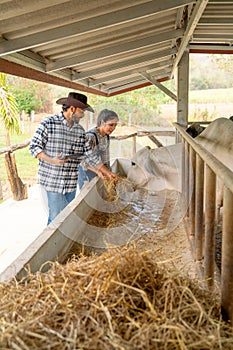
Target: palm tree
<point x="8" y="113"/>
<point x="8" y="109"/>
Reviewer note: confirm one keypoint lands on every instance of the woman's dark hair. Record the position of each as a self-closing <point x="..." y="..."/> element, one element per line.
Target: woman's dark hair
<point x="106" y="115"/>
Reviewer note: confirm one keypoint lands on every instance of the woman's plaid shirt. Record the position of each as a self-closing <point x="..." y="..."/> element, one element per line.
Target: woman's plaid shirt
<point x="54" y="137"/>
<point x="100" y="145"/>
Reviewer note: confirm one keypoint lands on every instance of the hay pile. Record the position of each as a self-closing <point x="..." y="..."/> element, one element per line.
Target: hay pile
<point x="119" y="300"/>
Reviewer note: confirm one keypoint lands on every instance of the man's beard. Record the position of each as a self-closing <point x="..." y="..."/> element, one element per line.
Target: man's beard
<point x="75" y="118"/>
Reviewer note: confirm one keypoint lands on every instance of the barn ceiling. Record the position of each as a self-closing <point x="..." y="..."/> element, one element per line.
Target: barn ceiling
<point x="109" y="47"/>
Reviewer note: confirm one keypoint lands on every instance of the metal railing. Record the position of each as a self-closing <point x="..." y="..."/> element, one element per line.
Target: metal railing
<point x="200" y="173"/>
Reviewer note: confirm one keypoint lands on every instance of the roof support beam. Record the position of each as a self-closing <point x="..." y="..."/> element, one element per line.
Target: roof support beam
<point x="220" y="1"/>
<point x="159" y="85"/>
<point x="131" y="86"/>
<point x="196" y="15"/>
<point x="215" y="21"/>
<point x="137" y="80"/>
<point x="103" y="80"/>
<point x="7" y="11"/>
<point x="88" y="25"/>
<point x="30" y="73"/>
<point x="126" y="63"/>
<point x="114" y="50"/>
<point x="214" y="48"/>
<point x="216" y="39"/>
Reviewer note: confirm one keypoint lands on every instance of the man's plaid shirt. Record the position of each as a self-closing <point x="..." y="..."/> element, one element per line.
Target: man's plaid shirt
<point x="54" y="137"/>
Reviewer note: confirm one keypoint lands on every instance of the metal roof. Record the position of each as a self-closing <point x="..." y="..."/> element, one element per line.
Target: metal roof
<point x="109" y="47"/>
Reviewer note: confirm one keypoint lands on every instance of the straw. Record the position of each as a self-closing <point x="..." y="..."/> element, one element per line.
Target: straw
<point x="122" y="299"/>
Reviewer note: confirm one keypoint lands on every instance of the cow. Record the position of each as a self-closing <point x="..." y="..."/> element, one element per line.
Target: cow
<point x="217" y="139"/>
<point x="195" y="129"/>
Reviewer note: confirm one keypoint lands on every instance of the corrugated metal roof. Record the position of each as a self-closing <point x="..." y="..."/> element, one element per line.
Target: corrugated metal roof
<point x="108" y="47"/>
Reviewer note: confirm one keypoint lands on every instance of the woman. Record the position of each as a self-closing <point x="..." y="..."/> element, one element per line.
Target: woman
<point x="99" y="141"/>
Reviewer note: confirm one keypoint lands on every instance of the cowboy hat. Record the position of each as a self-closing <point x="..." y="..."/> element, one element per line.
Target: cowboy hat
<point x="76" y="100"/>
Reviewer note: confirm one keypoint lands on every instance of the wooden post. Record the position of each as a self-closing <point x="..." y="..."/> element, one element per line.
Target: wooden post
<point x="87" y="121"/>
<point x="186" y="180"/>
<point x="155" y="140"/>
<point x="32" y="116"/>
<point x="22" y="122"/>
<point x="129" y="119"/>
<point x="183" y="175"/>
<point x="192" y="175"/>
<point x="1" y="194"/>
<point x="183" y="90"/>
<point x="210" y="203"/>
<point x="19" y="190"/>
<point x="134" y="145"/>
<point x="227" y="257"/>
<point x="199" y="195"/>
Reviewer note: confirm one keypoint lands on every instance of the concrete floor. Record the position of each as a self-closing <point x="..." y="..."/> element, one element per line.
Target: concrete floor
<point x="20" y="223"/>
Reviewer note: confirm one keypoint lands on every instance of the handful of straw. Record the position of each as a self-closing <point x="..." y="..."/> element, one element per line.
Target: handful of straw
<point x="120" y="189"/>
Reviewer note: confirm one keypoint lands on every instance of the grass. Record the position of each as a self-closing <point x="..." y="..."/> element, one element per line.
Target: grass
<point x="211" y="96"/>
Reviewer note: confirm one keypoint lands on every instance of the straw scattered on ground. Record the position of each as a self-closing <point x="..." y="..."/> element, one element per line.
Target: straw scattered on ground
<point x="122" y="299"/>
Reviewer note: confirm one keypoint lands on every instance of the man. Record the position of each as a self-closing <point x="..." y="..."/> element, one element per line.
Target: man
<point x="60" y="143"/>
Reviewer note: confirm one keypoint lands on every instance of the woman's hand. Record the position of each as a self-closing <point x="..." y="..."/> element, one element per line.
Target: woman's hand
<point x="102" y="171"/>
<point x="107" y="173"/>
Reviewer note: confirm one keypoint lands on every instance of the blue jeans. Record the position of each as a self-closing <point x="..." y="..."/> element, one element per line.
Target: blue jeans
<point x="57" y="202"/>
<point x="84" y="175"/>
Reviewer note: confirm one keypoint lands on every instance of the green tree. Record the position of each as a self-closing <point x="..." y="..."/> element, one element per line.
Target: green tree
<point x="224" y="62"/>
<point x="141" y="106"/>
<point x="8" y="114"/>
<point x="210" y="72"/>
<point x="8" y="109"/>
<point x="31" y="95"/>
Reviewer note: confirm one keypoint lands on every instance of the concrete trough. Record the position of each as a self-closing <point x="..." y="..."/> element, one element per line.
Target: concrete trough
<point x="67" y="232"/>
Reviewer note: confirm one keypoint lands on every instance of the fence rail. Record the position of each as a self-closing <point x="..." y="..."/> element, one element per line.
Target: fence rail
<point x="14" y="147"/>
<point x="19" y="189"/>
<point x="201" y="171"/>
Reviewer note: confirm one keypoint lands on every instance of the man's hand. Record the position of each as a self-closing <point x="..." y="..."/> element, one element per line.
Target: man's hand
<point x="55" y="160"/>
<point x="58" y="160"/>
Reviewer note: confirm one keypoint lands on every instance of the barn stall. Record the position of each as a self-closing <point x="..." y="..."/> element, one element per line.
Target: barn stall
<point x="108" y="50"/>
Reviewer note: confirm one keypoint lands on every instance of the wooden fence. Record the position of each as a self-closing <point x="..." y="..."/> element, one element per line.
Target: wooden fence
<point x="151" y="134"/>
<point x="200" y="173"/>
<point x="19" y="190"/>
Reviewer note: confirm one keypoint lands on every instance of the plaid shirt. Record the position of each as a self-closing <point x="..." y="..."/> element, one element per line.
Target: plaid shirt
<point x="100" y="146"/>
<point x="53" y="137"/>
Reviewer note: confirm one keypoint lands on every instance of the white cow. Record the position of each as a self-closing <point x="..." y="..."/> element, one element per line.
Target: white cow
<point x="157" y="169"/>
<point x="217" y="138"/>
